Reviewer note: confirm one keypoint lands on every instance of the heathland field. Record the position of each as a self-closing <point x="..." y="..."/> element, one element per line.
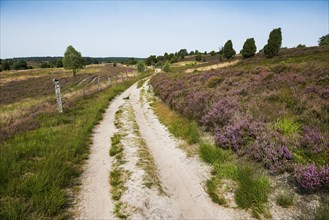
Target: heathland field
<point x="204" y="138"/>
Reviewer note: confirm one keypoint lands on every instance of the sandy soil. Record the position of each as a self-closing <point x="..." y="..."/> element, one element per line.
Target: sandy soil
<point x="214" y="67"/>
<point x="182" y="178"/>
<point x="94" y="201"/>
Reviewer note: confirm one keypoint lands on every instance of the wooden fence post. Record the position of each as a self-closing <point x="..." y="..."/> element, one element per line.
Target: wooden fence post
<point x="58" y="95"/>
<point x="98" y="83"/>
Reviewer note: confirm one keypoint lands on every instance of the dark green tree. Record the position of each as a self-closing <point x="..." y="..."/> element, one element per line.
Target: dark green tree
<point x="182" y="53"/>
<point x="174" y="59"/>
<point x="131" y="61"/>
<point x="151" y="60"/>
<point x="140" y="66"/>
<point x="20" y="65"/>
<point x="228" y="50"/>
<point x="73" y="60"/>
<point x="198" y="57"/>
<point x="212" y="53"/>
<point x="166" y="67"/>
<point x="274" y="43"/>
<point x="5" y="65"/>
<point x="45" y="65"/>
<point x="301" y="46"/>
<point x="249" y="48"/>
<point x="324" y="40"/>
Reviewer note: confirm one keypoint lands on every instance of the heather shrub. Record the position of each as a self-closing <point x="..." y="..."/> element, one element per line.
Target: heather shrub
<point x="236" y="135"/>
<point x="311" y="178"/>
<point x="312" y="139"/>
<point x="219" y="114"/>
<point x="271" y="150"/>
<point x="196" y="104"/>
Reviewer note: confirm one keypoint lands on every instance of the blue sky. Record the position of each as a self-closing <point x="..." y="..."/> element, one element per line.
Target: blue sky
<point x="142" y="28"/>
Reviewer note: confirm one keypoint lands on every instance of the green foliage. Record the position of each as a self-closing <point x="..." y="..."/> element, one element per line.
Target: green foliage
<point x="178" y="125"/>
<point x="166" y="67"/>
<point x="274" y="43"/>
<point x="131" y="61"/>
<point x="174" y="59"/>
<point x="45" y="65"/>
<point x="38" y="166"/>
<point x="212" y="189"/>
<point x="285" y="200"/>
<point x="5" y="65"/>
<point x="212" y="53"/>
<point x="249" y="48"/>
<point x="211" y="154"/>
<point x="114" y="64"/>
<point x="198" y="57"/>
<point x="321" y="212"/>
<point x="151" y="60"/>
<point x="228" y="50"/>
<point x="20" y="65"/>
<point x="182" y="53"/>
<point x="214" y="81"/>
<point x="301" y="46"/>
<point x="252" y="191"/>
<point x="324" y="40"/>
<point x="73" y="60"/>
<point x="287" y="126"/>
<point x="141" y="66"/>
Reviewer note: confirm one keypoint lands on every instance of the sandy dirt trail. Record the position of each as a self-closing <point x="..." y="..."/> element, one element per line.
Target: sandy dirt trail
<point x="94" y="200"/>
<point x="183" y="178"/>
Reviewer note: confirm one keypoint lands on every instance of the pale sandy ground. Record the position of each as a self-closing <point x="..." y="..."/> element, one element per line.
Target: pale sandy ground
<point x="94" y="201"/>
<point x="214" y="67"/>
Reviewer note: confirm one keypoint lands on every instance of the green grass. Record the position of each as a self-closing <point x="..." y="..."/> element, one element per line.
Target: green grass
<point x="321" y="212"/>
<point x="252" y="191"/>
<point x="141" y="83"/>
<point x="288" y="126"/>
<point x="178" y="125"/>
<point x="211" y="154"/>
<point x="37" y="167"/>
<point x="285" y="200"/>
<point x="212" y="189"/>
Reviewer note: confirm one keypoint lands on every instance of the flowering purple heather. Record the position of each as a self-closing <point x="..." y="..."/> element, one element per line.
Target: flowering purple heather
<point x="311" y="178"/>
<point x="220" y="113"/>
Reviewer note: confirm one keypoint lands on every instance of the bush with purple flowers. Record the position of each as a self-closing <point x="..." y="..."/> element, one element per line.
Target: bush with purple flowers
<point x="311" y="177"/>
<point x="219" y="114"/>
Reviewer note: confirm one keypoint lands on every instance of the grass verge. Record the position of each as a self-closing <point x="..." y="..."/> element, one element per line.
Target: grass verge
<point x="37" y="167"/>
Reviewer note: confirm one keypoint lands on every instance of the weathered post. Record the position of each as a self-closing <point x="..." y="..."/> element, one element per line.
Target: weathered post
<point x="98" y="83"/>
<point x="109" y="79"/>
<point x="58" y="95"/>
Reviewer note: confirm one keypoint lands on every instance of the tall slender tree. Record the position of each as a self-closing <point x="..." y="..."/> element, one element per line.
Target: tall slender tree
<point x="274" y="43"/>
<point x="228" y="50"/>
<point x="73" y="60"/>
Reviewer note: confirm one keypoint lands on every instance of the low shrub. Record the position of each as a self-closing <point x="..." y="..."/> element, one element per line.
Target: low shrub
<point x="219" y="114"/>
<point x="285" y="200"/>
<point x="311" y="178"/>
